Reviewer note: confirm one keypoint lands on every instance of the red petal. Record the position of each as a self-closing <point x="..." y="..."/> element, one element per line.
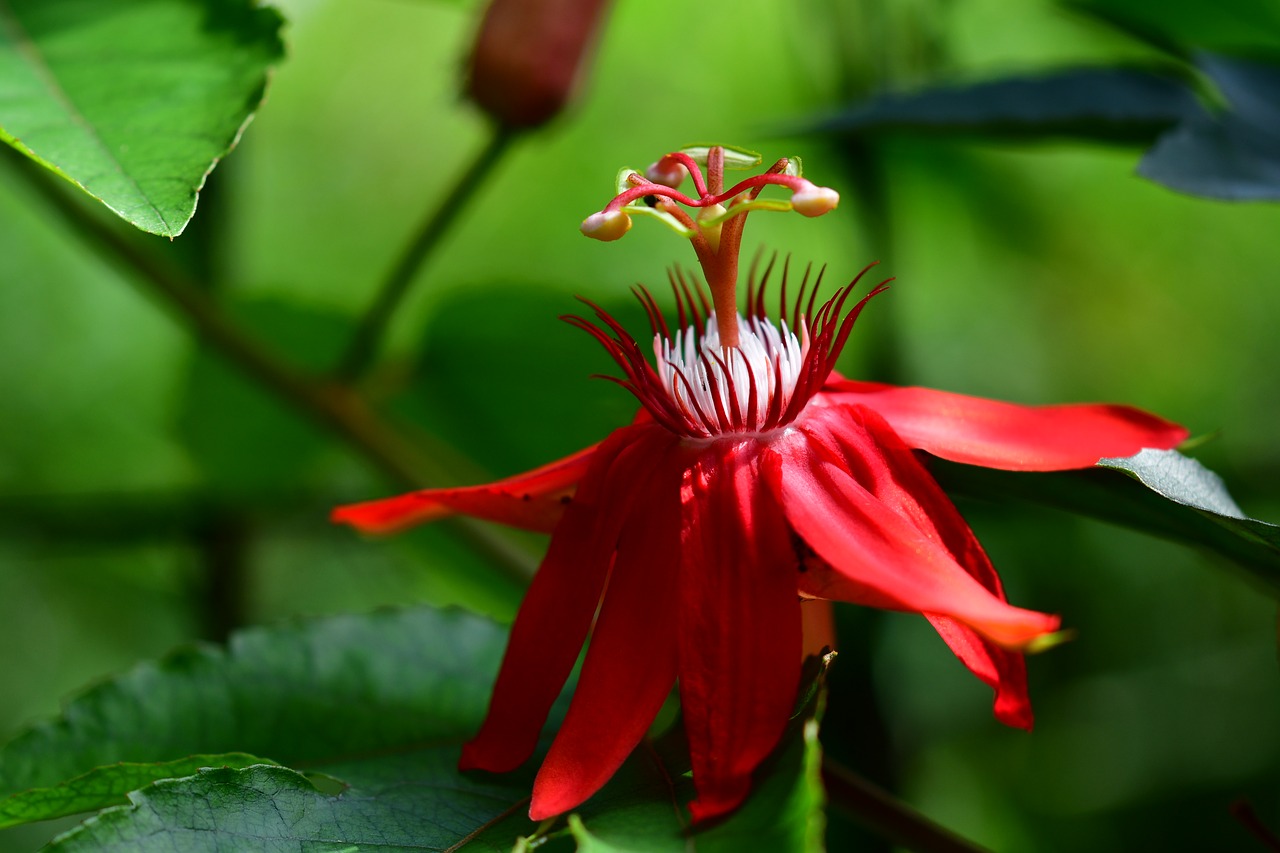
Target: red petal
<point x="631" y="663"/>
<point x="739" y="623"/>
<point x="534" y="500"/>
<point x="1005" y="435"/>
<point x="558" y="608"/>
<point x="887" y="559"/>
<point x="905" y="486"/>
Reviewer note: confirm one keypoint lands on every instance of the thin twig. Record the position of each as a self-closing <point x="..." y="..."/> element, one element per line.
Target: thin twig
<point x="368" y="335"/>
<point x="338" y="408"/>
<point x="887" y="816"/>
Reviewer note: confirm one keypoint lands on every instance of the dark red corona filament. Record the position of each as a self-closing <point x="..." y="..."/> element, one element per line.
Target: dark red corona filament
<point x="828" y="331"/>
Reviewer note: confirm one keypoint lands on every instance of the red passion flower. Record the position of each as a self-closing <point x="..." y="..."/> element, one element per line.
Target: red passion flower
<point x="753" y="478"/>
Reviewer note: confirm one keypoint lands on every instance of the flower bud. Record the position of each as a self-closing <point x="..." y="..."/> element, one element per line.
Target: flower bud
<point x="669" y="173"/>
<point x="606" y="225"/>
<point x="527" y="56"/>
<point x="813" y="200"/>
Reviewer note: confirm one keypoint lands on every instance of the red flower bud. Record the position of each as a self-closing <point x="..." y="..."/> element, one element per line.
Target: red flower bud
<point x="527" y="55"/>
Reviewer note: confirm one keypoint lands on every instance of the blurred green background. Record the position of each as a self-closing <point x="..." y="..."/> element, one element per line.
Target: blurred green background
<point x="133" y="466"/>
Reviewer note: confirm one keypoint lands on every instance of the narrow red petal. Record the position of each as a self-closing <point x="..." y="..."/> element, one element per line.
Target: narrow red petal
<point x="887" y="559"/>
<point x="904" y="485"/>
<point x="556" y="614"/>
<point x="740" y="640"/>
<point x="534" y="500"/>
<point x="995" y="434"/>
<point x="630" y="666"/>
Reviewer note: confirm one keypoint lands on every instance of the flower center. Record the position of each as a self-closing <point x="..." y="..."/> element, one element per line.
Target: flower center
<point x="701" y="388"/>
<point x="734" y="389"/>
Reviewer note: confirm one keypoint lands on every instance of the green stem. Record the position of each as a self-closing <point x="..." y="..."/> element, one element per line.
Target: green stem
<point x="338" y="408"/>
<point x="895" y="820"/>
<point x="368" y="335"/>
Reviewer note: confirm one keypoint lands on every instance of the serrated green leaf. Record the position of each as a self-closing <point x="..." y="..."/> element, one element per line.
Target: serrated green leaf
<point x="1107" y="104"/>
<point x="307" y="692"/>
<point x="1165" y="493"/>
<point x="267" y="809"/>
<point x="134" y="101"/>
<point x="106" y="786"/>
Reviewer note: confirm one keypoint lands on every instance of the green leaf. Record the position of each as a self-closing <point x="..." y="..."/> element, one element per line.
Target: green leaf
<point x="1233" y="155"/>
<point x="134" y="101"/>
<point x="305" y="692"/>
<point x="1107" y="104"/>
<point x="105" y="786"/>
<point x="375" y="707"/>
<point x="1165" y="493"/>
<point x="407" y="806"/>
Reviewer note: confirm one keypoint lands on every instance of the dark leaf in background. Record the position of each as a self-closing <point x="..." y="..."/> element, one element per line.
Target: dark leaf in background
<point x="1169" y="495"/>
<point x="1104" y="104"/>
<point x="1235" y="154"/>
<point x="1250" y="27"/>
<point x="134" y="101"/>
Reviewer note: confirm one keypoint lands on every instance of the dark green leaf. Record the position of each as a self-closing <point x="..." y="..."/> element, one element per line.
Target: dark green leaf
<point x="1248" y="26"/>
<point x="1109" y="104"/>
<point x="300" y="693"/>
<point x="134" y="101"/>
<point x="1233" y="155"/>
<point x="105" y="786"/>
<point x="407" y="805"/>
<point x="1166" y="494"/>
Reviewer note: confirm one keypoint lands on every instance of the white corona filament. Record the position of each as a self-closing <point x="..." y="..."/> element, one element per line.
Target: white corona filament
<point x="767" y="359"/>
